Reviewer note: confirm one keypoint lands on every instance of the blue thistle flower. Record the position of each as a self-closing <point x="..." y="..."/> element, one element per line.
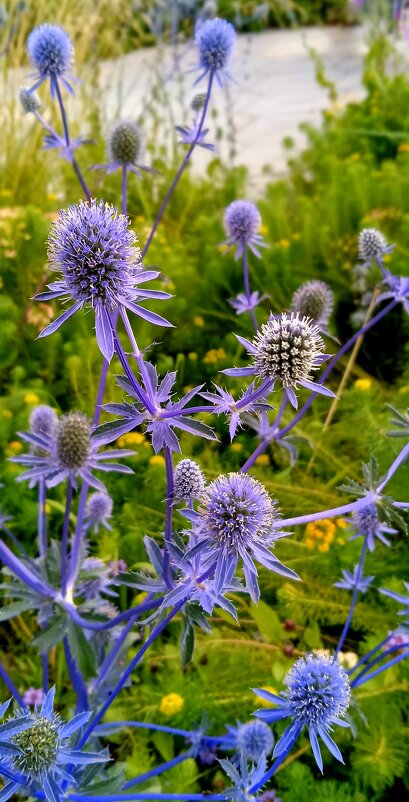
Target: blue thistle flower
<point x="94" y="580"/>
<point x="315" y="300"/>
<point x="252" y="739"/>
<point x="124" y="145"/>
<point x="43" y="420"/>
<point x="317" y="697"/>
<point x="237" y="519"/>
<point x="367" y="524"/>
<point x="349" y="581"/>
<point x="99" y="510"/>
<point x="242" y="222"/>
<point x="51" y="52"/>
<point x="29" y="101"/>
<point x="244" y="778"/>
<point x="97" y="253"/>
<point x="188" y="480"/>
<point x="214" y="39"/>
<point x="243" y="303"/>
<point x="397" y="288"/>
<point x="286" y="349"/>
<point x="39" y="750"/>
<point x="67" y="452"/>
<point x="372" y="245"/>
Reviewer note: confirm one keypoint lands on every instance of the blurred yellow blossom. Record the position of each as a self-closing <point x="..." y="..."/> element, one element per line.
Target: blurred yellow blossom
<point x="31" y="398"/>
<point x="236" y="447"/>
<point x="131" y="439"/>
<point x="171" y="704"/>
<point x="7" y="413"/>
<point x="319" y="534"/>
<point x="214" y="355"/>
<point x="347" y="659"/>
<point x="363" y="384"/>
<point x="140" y="597"/>
<point x="263" y="459"/>
<point x="198" y="320"/>
<point x="192" y="355"/>
<point x="341" y="523"/>
<point x="157" y="459"/>
<point x="15" y="446"/>
<point x="284" y="243"/>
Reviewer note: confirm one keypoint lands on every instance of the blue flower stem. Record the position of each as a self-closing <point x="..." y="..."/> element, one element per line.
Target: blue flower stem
<point x="260" y="392"/>
<point x="354" y="599"/>
<point x="366" y="677"/>
<point x="270" y="773"/>
<point x="367" y="656"/>
<point x="399" y="647"/>
<point x="144" y="399"/>
<point x="116" y="648"/>
<point x="138" y="356"/>
<point x="16" y="543"/>
<point x="44" y="664"/>
<point x="143" y="725"/>
<point x="19" y="569"/>
<point x="77" y="541"/>
<point x="246" y="282"/>
<point x="149" y="797"/>
<point x="42" y="519"/>
<point x="157" y="770"/>
<point x="316" y="516"/>
<point x="76" y="678"/>
<point x="128" y="671"/>
<point x="124" y="189"/>
<point x="67" y="142"/>
<point x="181" y="169"/>
<point x="64" y="539"/>
<point x="96" y="626"/>
<point x="11" y="686"/>
<point x="402" y="457"/>
<point x="170" y="495"/>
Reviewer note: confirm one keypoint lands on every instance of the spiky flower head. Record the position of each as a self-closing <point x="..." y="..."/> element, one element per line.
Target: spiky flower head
<point x="43" y="420"/>
<point x="366" y="522"/>
<point x="124" y="143"/>
<point x="189" y="480"/>
<point x="198" y="101"/>
<point x="51" y="51"/>
<point x="99" y="510"/>
<point x="318" y="690"/>
<point x="371" y="244"/>
<point x="253" y="739"/>
<point x="237" y="511"/>
<point x="39" y="747"/>
<point x="315" y="300"/>
<point x="29" y="101"/>
<point x="73" y="440"/>
<point x="214" y="39"/>
<point x="97" y="254"/>
<point x="242" y="221"/>
<point x="286" y="349"/>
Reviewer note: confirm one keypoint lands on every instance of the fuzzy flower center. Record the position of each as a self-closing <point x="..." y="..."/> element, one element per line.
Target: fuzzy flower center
<point x="253" y="739"/>
<point x="124" y="143"/>
<point x="39" y="747"/>
<point x="237" y="512"/>
<point x="366" y="520"/>
<point x="314" y="300"/>
<point x="318" y="690"/>
<point x="73" y="440"/>
<point x="287" y="348"/>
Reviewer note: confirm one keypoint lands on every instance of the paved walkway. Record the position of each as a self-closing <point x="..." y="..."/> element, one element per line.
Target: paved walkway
<point x="274" y="90"/>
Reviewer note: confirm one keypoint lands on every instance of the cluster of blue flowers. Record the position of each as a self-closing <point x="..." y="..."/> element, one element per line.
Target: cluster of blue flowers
<point x="233" y="524"/>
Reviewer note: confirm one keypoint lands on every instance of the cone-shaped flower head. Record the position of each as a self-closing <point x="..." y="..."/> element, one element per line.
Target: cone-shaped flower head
<point x="29" y="101"/>
<point x="124" y="143"/>
<point x="97" y="254"/>
<point x="189" y="480"/>
<point x="214" y="39"/>
<point x="286" y="349"/>
<point x="73" y="441"/>
<point x="315" y="300"/>
<point x="43" y="420"/>
<point x="371" y="244"/>
<point x="242" y="222"/>
<point x="198" y="101"/>
<point x="51" y="52"/>
<point x="99" y="510"/>
<point x="318" y="690"/>
<point x="253" y="739"/>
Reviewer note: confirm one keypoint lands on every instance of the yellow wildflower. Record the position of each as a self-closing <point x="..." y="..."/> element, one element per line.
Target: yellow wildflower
<point x="7" y="413"/>
<point x="192" y="355"/>
<point x="15" y="446"/>
<point x="236" y="447"/>
<point x="363" y="384"/>
<point x="131" y="439"/>
<point x="140" y="597"/>
<point x="284" y="243"/>
<point x="171" y="704"/>
<point x="323" y="547"/>
<point x="31" y="398"/>
<point x="157" y="459"/>
<point x="403" y="147"/>
<point x="198" y="320"/>
<point x="341" y="523"/>
<point x="263" y="459"/>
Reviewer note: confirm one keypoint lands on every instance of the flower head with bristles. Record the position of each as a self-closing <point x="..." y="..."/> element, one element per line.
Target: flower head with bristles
<point x="214" y="39"/>
<point x="198" y="101"/>
<point x="237" y="519"/>
<point x="39" y="751"/>
<point x="29" y="101"/>
<point x="97" y="254"/>
<point x="317" y="697"/>
<point x="366" y="523"/>
<point x="43" y="420"/>
<point x="315" y="300"/>
<point x="242" y="222"/>
<point x="372" y="244"/>
<point x="99" y="510"/>
<point x="253" y="739"/>
<point x="189" y="480"/>
<point x="124" y="146"/>
<point x="51" y="52"/>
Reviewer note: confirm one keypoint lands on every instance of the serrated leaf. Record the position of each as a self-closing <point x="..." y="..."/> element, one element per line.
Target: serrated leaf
<point x="81" y="650"/>
<point x="11" y="610"/>
<point x="52" y="634"/>
<point x="187" y="642"/>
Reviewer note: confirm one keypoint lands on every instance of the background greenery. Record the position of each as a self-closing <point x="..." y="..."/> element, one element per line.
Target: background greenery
<point x="353" y="173"/>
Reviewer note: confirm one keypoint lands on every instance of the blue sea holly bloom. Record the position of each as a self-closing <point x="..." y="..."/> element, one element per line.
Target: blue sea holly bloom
<point x="241" y="303"/>
<point x="99" y="510"/>
<point x="317" y="697"/>
<point x="315" y="300"/>
<point x="237" y="520"/>
<point x="397" y="288"/>
<point x="214" y="39"/>
<point x="243" y="778"/>
<point x="366" y="523"/>
<point x="286" y="349"/>
<point x="93" y="247"/>
<point x="124" y="146"/>
<point x="40" y="756"/>
<point x="242" y="221"/>
<point x="372" y="245"/>
<point x="51" y="52"/>
<point x="399" y="597"/>
<point x="251" y="740"/>
<point x="68" y="452"/>
<point x="349" y="581"/>
<point x="225" y="404"/>
<point x="189" y="481"/>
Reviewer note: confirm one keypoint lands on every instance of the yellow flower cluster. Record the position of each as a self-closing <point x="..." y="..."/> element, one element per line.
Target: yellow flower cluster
<point x="214" y="355"/>
<point x="320" y="534"/>
<point x="132" y="439"/>
<point x="157" y="459"/>
<point x="363" y="384"/>
<point x="171" y="704"/>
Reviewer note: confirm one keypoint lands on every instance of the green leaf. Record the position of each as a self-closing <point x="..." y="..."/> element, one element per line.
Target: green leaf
<point x="268" y="622"/>
<point x="81" y="649"/>
<point x="187" y="642"/>
<point x="52" y="634"/>
<point x="11" y="610"/>
<point x="312" y="636"/>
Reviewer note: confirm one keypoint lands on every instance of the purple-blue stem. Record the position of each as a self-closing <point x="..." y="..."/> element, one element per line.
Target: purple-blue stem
<point x="77" y="540"/>
<point x="11" y="687"/>
<point x="19" y="569"/>
<point x="124" y="189"/>
<point x="170" y="495"/>
<point x="277" y="763"/>
<point x="265" y="441"/>
<point x="354" y="599"/>
<point x="366" y="677"/>
<point x="246" y="282"/>
<point x="316" y="516"/>
<point x="42" y="519"/>
<point x="101" y="627"/>
<point x="180" y="171"/>
<point x="402" y="457"/>
<point x="157" y="770"/>
<point x="64" y="539"/>
<point x="399" y="647"/>
<point x="143" y="397"/>
<point x="67" y="142"/>
<point x="141" y="725"/>
<point x="16" y="543"/>
<point x="152" y="797"/>
<point x="138" y="356"/>
<point x="76" y="678"/>
<point x="115" y="649"/>
<point x="128" y="671"/>
<point x="367" y="656"/>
